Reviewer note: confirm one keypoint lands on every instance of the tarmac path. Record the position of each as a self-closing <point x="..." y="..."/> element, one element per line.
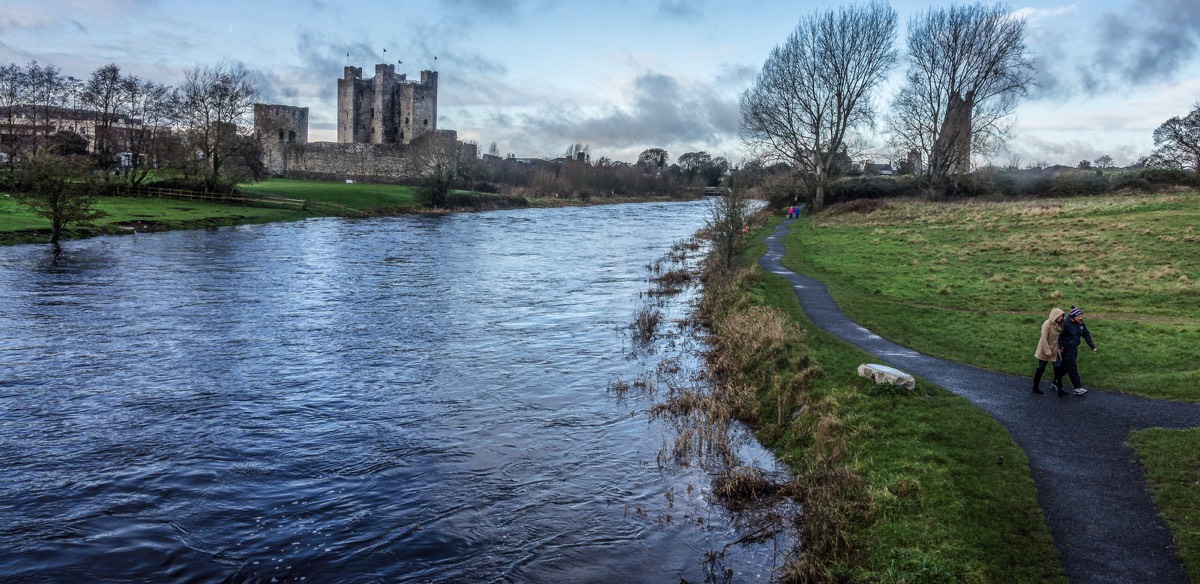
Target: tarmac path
<point x="1089" y="483"/>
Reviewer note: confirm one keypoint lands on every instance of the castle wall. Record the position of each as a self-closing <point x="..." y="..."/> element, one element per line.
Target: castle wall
<point x="337" y="161"/>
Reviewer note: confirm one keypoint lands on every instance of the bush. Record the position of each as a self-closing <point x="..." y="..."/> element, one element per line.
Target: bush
<point x="872" y="187"/>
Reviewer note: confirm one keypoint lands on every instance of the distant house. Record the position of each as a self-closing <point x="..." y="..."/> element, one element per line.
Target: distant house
<point x="870" y="167"/>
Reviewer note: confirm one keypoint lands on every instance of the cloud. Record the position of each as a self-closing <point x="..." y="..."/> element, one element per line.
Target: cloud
<point x="683" y="10"/>
<point x="1035" y="16"/>
<point x="662" y="111"/>
<point x="1146" y="42"/>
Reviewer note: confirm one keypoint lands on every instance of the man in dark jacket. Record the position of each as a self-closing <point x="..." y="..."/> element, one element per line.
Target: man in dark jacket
<point x="1068" y="343"/>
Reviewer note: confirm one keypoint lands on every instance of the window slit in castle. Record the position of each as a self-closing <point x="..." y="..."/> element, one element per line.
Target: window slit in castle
<point x="291" y="136"/>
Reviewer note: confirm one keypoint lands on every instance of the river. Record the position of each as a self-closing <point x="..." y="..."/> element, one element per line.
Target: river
<point x="412" y="399"/>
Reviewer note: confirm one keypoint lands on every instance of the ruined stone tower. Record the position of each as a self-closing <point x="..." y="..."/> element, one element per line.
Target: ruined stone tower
<point x="952" y="150"/>
<point x="387" y="109"/>
<point x="279" y="128"/>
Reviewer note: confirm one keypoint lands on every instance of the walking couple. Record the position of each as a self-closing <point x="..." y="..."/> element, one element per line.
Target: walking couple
<point x="1061" y="334"/>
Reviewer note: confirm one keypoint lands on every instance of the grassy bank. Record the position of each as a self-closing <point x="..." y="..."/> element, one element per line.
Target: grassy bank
<point x="359" y="196"/>
<point x="129" y="214"/>
<point x="972" y="282"/>
<point x="897" y="486"/>
<point x="1172" y="460"/>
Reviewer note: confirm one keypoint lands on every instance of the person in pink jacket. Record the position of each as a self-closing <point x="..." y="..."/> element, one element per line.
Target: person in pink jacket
<point x="1048" y="350"/>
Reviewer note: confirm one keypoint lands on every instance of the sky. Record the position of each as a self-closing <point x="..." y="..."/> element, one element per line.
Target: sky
<point x="618" y="76"/>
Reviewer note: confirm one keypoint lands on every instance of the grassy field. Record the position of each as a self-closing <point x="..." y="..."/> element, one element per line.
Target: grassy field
<point x="974" y="281"/>
<point x="904" y="487"/>
<point x="1172" y="460"/>
<point x="125" y="214"/>
<point x="360" y="196"/>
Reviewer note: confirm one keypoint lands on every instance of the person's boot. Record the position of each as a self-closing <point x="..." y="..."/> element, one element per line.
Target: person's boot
<point x="1059" y="389"/>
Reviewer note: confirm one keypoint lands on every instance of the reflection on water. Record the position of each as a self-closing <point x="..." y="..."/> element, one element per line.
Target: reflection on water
<point x="404" y="399"/>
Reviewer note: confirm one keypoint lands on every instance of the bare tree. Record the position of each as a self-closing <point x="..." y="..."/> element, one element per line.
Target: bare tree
<point x="215" y="106"/>
<point x="815" y="89"/>
<point x="968" y="65"/>
<point x="151" y="107"/>
<point x="102" y="94"/>
<point x="47" y="92"/>
<point x="14" y="91"/>
<point x="439" y="164"/>
<point x="1105" y="161"/>
<point x="1178" y="141"/>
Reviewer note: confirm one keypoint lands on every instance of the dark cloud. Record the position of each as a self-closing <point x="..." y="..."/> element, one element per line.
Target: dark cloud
<point x="323" y="61"/>
<point x="1148" y="42"/>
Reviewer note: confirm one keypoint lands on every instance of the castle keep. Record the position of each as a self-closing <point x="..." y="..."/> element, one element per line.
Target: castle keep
<point x="379" y="121"/>
<point x="385" y="109"/>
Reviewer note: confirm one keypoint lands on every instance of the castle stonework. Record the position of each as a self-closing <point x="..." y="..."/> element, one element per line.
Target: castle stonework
<point x="386" y="109"/>
<point x="380" y="121"/>
<point x="279" y="128"/>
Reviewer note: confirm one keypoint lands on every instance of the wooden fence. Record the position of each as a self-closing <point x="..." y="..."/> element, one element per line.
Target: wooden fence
<point x="270" y="201"/>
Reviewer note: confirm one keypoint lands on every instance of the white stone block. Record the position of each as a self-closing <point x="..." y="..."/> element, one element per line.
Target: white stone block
<point x="884" y="374"/>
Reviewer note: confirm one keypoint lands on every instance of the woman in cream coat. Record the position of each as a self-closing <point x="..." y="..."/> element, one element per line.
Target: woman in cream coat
<point x="1047" y="349"/>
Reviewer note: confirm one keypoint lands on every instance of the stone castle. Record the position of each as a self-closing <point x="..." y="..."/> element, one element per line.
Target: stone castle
<point x="379" y="120"/>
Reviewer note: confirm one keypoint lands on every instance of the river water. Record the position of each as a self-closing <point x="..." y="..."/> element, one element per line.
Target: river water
<point x="422" y="399"/>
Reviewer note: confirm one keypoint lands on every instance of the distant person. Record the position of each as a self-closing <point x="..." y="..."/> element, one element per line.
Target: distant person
<point x="791" y="212"/>
<point x="1068" y="343"/>
<point x="1047" y="349"/>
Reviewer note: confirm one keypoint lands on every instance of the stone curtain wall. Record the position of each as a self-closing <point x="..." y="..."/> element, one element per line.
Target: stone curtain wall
<point x="347" y="161"/>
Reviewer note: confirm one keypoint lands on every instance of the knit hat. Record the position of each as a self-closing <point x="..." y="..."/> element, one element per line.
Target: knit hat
<point x="1075" y="311"/>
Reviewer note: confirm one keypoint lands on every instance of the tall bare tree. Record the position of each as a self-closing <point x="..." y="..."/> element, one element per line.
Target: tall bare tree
<point x="968" y="66"/>
<point x="47" y="93"/>
<point x="816" y="88"/>
<point x="14" y="91"/>
<point x="152" y="107"/>
<point x="102" y="94"/>
<point x="1178" y="141"/>
<point x="215" y="107"/>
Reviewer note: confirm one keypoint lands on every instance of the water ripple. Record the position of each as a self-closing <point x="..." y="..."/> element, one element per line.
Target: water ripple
<point x="397" y="399"/>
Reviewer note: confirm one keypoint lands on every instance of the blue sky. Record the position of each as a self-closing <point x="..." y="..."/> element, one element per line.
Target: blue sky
<point x="535" y="76"/>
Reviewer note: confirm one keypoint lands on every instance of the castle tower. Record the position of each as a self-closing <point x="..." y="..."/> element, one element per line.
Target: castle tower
<point x="386" y="109"/>
<point x="278" y="128"/>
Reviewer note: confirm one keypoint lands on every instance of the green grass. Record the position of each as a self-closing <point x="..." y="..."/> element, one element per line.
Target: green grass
<point x="945" y="494"/>
<point x="972" y="282"/>
<point x="1172" y="461"/>
<point x="951" y="498"/>
<point x="360" y="196"/>
<point x="20" y="225"/>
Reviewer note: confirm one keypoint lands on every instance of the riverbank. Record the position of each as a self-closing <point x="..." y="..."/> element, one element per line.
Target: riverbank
<point x="901" y="486"/>
<point x="127" y="215"/>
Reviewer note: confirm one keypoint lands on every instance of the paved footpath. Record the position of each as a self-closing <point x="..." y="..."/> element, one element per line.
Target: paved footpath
<point x="1089" y="483"/>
